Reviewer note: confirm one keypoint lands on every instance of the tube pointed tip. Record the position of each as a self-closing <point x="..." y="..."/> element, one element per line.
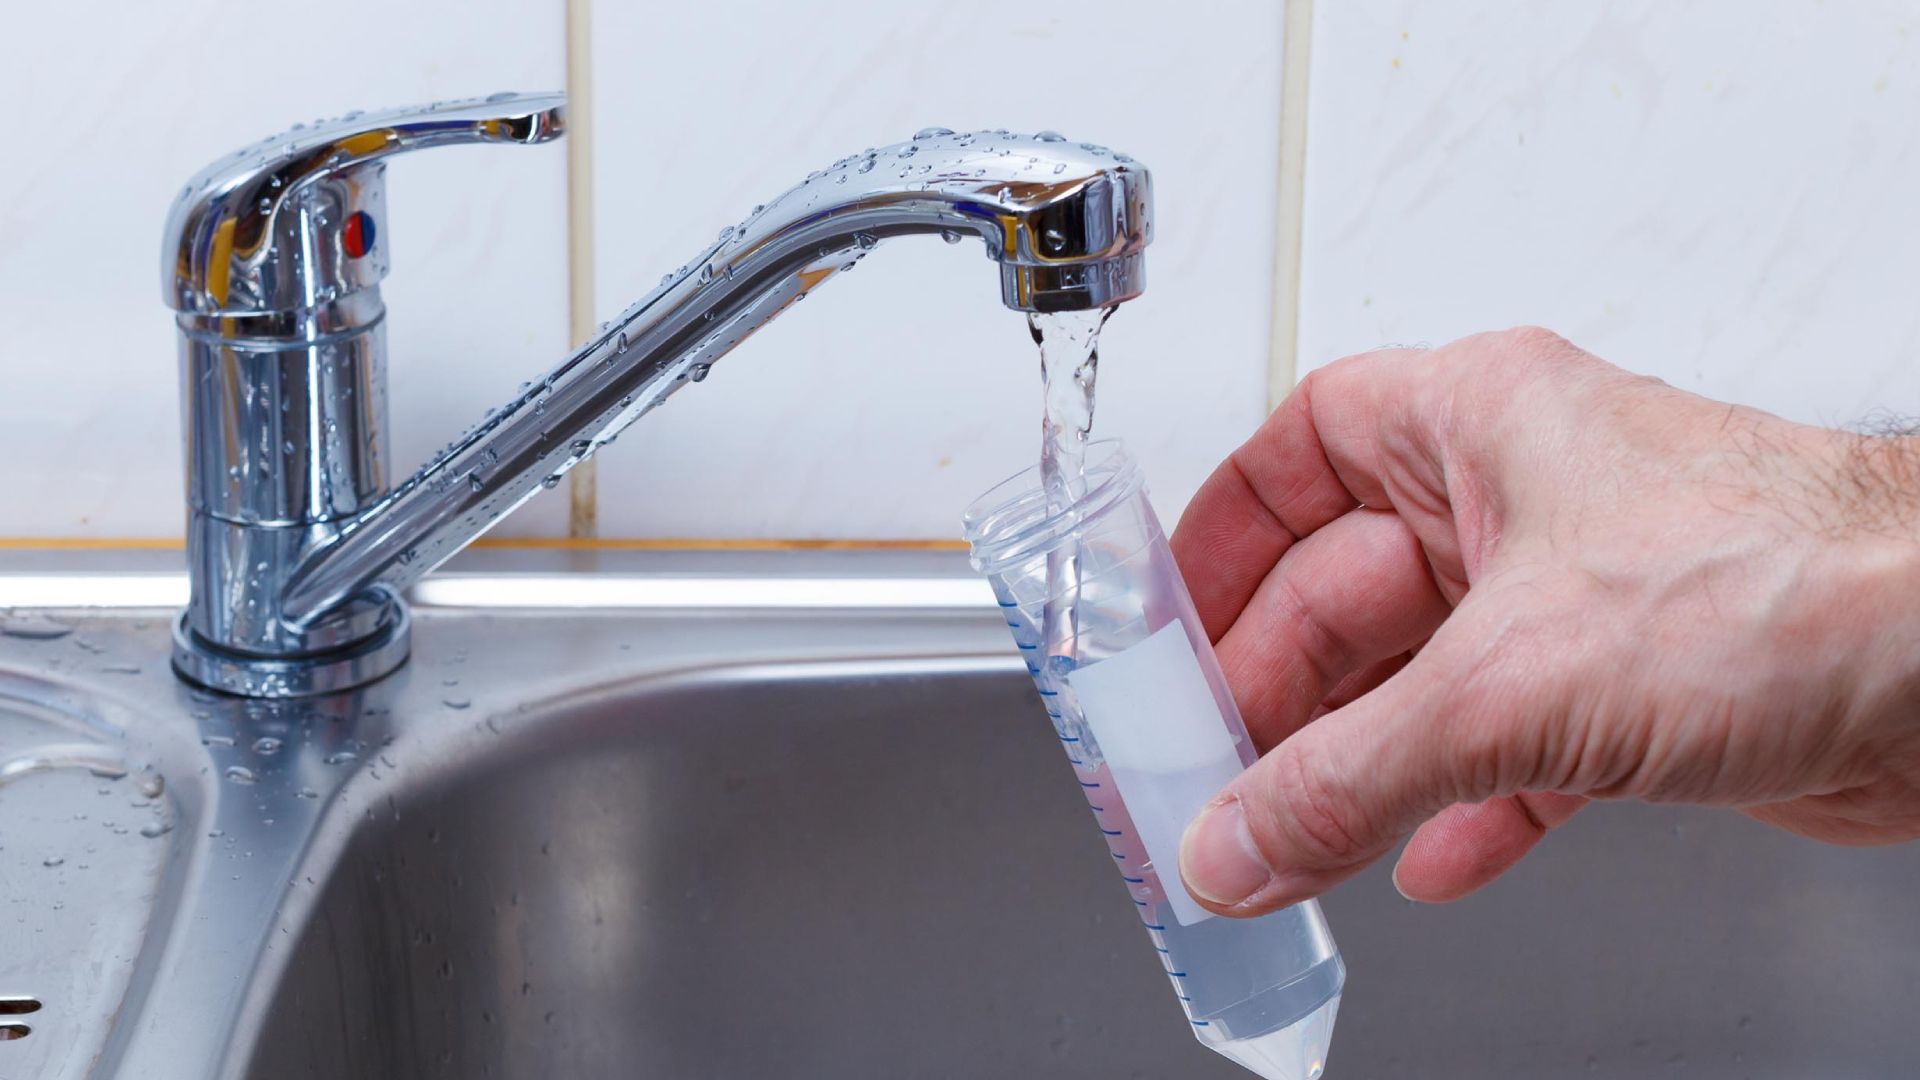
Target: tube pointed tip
<point x="1295" y="1052"/>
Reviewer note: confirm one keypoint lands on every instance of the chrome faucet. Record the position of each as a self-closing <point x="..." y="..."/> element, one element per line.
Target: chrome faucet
<point x="297" y="548"/>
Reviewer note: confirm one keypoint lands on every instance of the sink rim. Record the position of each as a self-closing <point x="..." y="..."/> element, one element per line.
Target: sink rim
<point x="865" y="579"/>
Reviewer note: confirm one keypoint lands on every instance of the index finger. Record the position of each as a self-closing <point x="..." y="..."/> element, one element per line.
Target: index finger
<point x="1282" y="484"/>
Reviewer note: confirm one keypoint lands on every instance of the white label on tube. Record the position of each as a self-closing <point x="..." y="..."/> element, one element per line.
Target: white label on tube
<point x="1157" y="724"/>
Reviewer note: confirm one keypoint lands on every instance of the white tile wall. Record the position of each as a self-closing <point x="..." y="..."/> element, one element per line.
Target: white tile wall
<point x="884" y="403"/>
<point x="1721" y="193"/>
<point x="124" y="101"/>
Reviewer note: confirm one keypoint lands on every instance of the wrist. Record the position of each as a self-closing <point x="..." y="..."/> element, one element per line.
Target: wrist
<point x="1873" y="577"/>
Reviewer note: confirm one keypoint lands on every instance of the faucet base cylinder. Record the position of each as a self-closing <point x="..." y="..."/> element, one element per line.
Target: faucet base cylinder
<point x="206" y="664"/>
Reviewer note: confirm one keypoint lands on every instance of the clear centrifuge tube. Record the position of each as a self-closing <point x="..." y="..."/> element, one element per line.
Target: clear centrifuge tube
<point x="1152" y="733"/>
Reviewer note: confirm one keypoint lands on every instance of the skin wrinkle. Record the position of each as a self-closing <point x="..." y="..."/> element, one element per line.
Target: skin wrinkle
<point x="1642" y="594"/>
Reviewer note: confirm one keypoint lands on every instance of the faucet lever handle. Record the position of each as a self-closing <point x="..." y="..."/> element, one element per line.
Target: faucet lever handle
<point x="293" y="222"/>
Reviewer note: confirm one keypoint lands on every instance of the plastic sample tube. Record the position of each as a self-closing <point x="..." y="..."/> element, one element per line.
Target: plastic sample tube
<point x="1138" y="701"/>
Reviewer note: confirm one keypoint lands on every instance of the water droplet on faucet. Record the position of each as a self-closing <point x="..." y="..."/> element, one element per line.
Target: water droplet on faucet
<point x="33" y="627"/>
<point x="931" y="133"/>
<point x="951" y="236"/>
<point x="1050" y="136"/>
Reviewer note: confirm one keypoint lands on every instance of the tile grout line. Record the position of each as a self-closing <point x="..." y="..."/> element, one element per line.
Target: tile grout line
<point x="583" y="488"/>
<point x="1283" y="348"/>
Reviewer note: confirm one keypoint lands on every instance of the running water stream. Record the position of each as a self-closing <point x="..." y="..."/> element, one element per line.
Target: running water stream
<point x="1069" y="364"/>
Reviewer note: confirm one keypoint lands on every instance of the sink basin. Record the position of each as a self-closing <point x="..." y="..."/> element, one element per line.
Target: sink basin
<point x="788" y="839"/>
<point x="870" y="869"/>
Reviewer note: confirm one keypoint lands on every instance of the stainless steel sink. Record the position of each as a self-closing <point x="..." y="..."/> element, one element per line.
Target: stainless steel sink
<point x="755" y="818"/>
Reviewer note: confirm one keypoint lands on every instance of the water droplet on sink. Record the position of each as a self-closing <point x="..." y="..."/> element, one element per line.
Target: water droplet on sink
<point x="266" y="746"/>
<point x="1060" y="168"/>
<point x="240" y="774"/>
<point x="341" y="757"/>
<point x="154" y="829"/>
<point x="216" y="740"/>
<point x="909" y="150"/>
<point x="1050" y="136"/>
<point x="107" y="770"/>
<point x="931" y="133"/>
<point x="866" y="164"/>
<point x="33" y="627"/>
<point x="699" y="371"/>
<point x="951" y="236"/>
<point x="151" y="785"/>
<point x="52" y="860"/>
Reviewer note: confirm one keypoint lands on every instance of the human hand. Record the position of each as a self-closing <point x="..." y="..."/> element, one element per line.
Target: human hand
<point x="1467" y="589"/>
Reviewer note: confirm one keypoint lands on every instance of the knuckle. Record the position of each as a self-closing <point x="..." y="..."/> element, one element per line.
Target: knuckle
<point x="1313" y="817"/>
<point x="1511" y="712"/>
<point x="1505" y="357"/>
<point x="1535" y="343"/>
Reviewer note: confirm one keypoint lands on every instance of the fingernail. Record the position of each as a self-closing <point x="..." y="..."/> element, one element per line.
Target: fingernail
<point x="1218" y="858"/>
<point x="1399" y="888"/>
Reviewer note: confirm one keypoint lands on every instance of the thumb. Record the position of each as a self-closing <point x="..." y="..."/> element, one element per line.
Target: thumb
<point x="1338" y="794"/>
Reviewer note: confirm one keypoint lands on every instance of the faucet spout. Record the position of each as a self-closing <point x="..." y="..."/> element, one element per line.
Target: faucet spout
<point x="1067" y="223"/>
